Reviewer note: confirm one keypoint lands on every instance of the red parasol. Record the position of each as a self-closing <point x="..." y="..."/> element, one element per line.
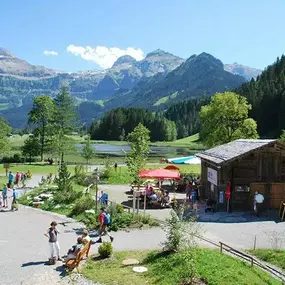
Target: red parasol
<point x="172" y="167"/>
<point x="159" y="174"/>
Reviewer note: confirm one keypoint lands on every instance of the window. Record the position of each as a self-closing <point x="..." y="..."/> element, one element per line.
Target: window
<point x="242" y="188"/>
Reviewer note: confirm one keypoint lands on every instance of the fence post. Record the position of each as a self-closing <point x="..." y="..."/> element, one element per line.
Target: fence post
<point x="221" y="247"/>
<point x="254" y="244"/>
<point x="251" y="263"/>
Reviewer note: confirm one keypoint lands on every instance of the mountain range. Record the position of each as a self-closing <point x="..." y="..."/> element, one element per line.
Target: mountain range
<point x="154" y="82"/>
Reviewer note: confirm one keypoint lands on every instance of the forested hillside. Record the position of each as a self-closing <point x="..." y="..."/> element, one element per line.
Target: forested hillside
<point x="118" y="123"/>
<point x="267" y="97"/>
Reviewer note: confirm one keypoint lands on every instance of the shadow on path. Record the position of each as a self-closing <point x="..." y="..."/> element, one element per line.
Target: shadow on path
<point x="62" y="270"/>
<point x="34" y="263"/>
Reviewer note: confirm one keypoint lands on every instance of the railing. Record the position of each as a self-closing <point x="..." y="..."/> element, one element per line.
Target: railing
<point x="242" y="255"/>
<point x="253" y="261"/>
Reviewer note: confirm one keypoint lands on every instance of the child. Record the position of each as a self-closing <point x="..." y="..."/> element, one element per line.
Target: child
<point x="72" y="253"/>
<point x="85" y="236"/>
<point x="14" y="205"/>
<point x="4" y="196"/>
<point x="51" y="234"/>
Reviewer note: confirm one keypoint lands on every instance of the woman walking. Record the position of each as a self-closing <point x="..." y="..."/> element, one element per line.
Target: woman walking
<point x="52" y="234"/>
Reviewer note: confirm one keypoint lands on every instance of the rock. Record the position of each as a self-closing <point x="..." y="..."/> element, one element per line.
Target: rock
<point x="130" y="261"/>
<point x="90" y="211"/>
<point x="139" y="269"/>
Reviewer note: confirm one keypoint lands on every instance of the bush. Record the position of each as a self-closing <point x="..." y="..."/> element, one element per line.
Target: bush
<point x="106" y="174"/>
<point x="122" y="220"/>
<point x="79" y="175"/>
<point x="16" y="158"/>
<point x="180" y="234"/>
<point x="90" y="220"/>
<point x="105" y="249"/>
<point x="82" y="204"/>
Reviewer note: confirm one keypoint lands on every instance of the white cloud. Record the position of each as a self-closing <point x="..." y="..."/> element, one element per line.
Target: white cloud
<point x="50" y="52"/>
<point x="104" y="56"/>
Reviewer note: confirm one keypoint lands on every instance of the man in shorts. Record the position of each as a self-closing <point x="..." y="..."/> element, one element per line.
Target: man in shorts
<point x="104" y="221"/>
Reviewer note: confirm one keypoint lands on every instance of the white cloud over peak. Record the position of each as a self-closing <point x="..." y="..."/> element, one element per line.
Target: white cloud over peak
<point x="104" y="56"/>
<point x="50" y="52"/>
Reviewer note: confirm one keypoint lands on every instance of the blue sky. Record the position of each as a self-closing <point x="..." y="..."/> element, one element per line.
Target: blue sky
<point x="249" y="32"/>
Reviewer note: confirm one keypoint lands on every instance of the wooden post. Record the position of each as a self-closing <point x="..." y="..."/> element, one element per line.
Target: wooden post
<point x="221" y="247"/>
<point x="134" y="202"/>
<point x="254" y="244"/>
<point x="144" y="202"/>
<point x="251" y="263"/>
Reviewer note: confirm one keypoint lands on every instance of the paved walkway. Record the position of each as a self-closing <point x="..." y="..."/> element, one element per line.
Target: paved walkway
<point x="24" y="248"/>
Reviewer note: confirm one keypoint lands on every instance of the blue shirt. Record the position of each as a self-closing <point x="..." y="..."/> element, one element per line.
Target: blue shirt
<point x="11" y="177"/>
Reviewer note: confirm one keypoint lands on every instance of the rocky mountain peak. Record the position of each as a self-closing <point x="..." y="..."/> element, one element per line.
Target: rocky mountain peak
<point x="125" y="59"/>
<point x="4" y="52"/>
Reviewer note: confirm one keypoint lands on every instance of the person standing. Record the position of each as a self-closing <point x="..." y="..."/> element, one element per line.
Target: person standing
<point x="104" y="221"/>
<point x="116" y="166"/>
<point x="10" y="178"/>
<point x="23" y="179"/>
<point x="257" y="203"/>
<point x="17" y="178"/>
<point x="14" y="205"/>
<point x="52" y="234"/>
<point x="5" y="196"/>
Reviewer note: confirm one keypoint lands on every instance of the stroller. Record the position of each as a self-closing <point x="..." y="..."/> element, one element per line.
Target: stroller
<point x="210" y="205"/>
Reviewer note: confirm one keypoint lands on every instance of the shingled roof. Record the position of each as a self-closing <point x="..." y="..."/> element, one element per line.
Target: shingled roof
<point x="232" y="150"/>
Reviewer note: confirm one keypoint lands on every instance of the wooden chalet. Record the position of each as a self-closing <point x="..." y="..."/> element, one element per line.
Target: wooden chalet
<point x="249" y="166"/>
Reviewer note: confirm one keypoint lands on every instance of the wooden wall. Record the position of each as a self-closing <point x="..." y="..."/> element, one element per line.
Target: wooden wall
<point x="266" y="165"/>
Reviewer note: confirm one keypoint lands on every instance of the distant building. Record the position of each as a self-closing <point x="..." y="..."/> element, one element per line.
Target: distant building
<point x="249" y="166"/>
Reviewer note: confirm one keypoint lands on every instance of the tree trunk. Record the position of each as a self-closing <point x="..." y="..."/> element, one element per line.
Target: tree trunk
<point x="30" y="159"/>
<point x="42" y="142"/>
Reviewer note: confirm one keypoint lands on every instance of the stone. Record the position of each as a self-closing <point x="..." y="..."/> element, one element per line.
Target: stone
<point x="90" y="211"/>
<point x="130" y="261"/>
<point x="139" y="269"/>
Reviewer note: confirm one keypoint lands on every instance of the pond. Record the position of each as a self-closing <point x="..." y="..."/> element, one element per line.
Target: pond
<point x="158" y="151"/>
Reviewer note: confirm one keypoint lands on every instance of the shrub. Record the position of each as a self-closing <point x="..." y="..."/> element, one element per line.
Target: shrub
<point x="82" y="204"/>
<point x="107" y="172"/>
<point x="180" y="234"/>
<point x="90" y="220"/>
<point x="65" y="193"/>
<point x="79" y="175"/>
<point x="122" y="220"/>
<point x="105" y="249"/>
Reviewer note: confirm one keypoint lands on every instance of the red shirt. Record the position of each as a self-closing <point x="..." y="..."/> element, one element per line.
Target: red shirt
<point x="101" y="219"/>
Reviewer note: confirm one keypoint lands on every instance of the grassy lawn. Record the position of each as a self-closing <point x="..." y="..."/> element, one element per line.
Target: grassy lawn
<point x="211" y="266"/>
<point x="35" y="168"/>
<point x="275" y="257"/>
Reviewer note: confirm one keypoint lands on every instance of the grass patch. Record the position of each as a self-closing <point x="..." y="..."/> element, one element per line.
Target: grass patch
<point x="35" y="168"/>
<point x="211" y="266"/>
<point x="121" y="176"/>
<point x="275" y="257"/>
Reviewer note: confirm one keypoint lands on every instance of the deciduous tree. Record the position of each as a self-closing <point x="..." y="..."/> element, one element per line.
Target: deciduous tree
<point x="226" y="119"/>
<point x="139" y="141"/>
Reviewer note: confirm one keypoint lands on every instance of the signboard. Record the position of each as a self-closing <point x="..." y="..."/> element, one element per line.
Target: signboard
<point x="212" y="176"/>
<point x="221" y="197"/>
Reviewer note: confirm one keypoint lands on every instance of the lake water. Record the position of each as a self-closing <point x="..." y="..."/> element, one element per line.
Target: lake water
<point x="160" y="151"/>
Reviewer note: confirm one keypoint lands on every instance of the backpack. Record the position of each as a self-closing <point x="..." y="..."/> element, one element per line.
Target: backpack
<point x="107" y="218"/>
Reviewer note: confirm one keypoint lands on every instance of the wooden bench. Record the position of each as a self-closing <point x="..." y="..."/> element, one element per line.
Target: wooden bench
<point x="74" y="263"/>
